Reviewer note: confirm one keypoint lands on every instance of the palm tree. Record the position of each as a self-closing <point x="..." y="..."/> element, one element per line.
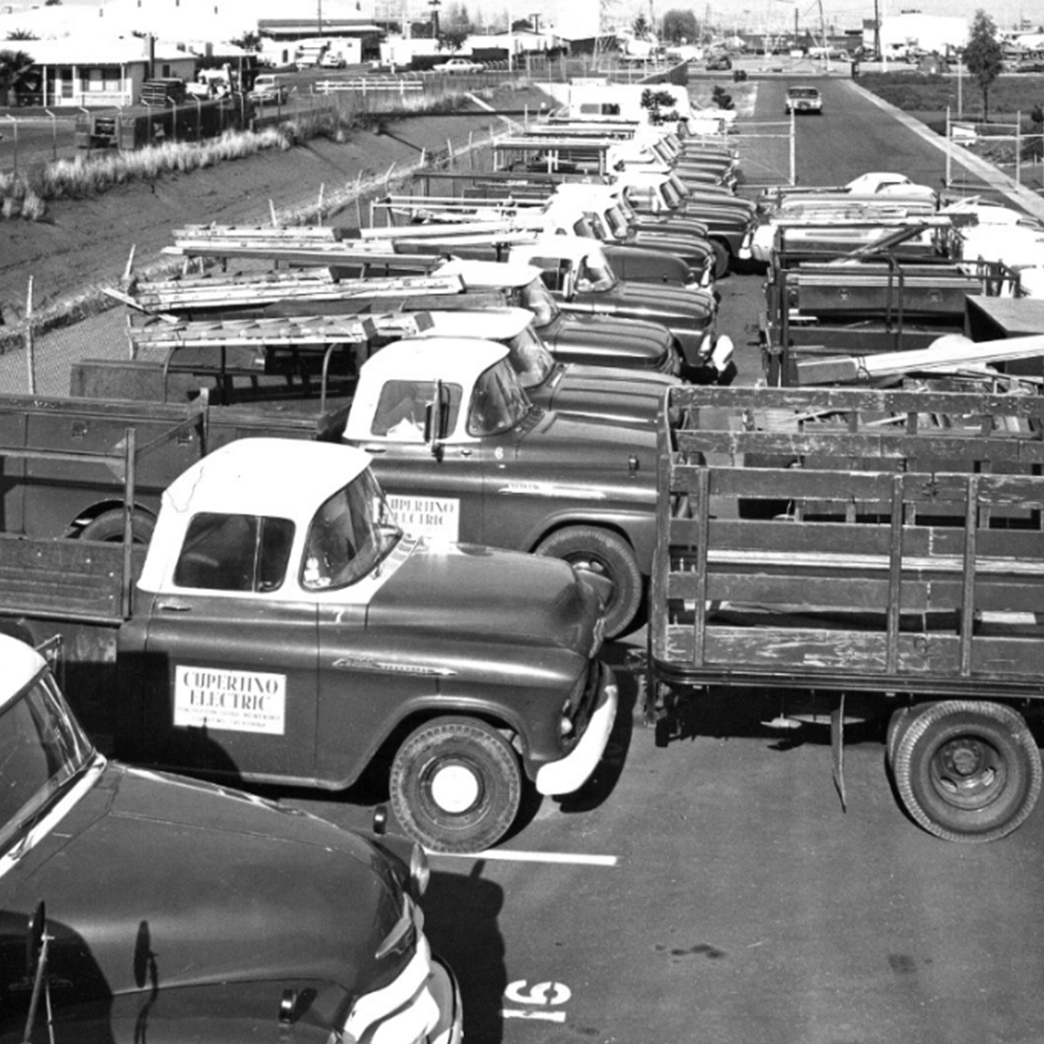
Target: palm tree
<point x="14" y="66"/>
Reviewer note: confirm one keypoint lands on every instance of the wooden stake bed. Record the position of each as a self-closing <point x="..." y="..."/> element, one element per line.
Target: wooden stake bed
<point x="902" y="549"/>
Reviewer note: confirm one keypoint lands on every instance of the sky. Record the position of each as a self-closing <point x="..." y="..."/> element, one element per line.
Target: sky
<point x="728" y="14"/>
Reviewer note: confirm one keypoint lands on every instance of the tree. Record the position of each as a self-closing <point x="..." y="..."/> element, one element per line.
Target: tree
<point x="640" y="27"/>
<point x="680" y="26"/>
<point x="249" y="41"/>
<point x="21" y="34"/>
<point x="984" y="56"/>
<point x="14" y="68"/>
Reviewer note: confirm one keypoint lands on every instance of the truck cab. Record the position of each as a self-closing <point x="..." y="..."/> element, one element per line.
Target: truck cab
<point x="581" y="279"/>
<point x="464" y="455"/>
<point x="138" y="905"/>
<point x="286" y="630"/>
<point x="595" y="392"/>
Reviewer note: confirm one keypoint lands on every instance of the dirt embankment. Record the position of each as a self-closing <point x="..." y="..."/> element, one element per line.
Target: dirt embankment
<point x="85" y="244"/>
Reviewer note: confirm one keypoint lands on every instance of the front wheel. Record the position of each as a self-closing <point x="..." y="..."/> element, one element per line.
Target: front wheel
<point x="456" y="785"/>
<point x="722" y="259"/>
<point x="967" y="771"/>
<point x="606" y="554"/>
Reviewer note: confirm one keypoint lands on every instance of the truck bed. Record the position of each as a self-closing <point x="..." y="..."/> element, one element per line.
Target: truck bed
<point x="883" y="540"/>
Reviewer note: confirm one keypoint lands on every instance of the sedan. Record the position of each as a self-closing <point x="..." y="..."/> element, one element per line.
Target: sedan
<point x="458" y="65"/>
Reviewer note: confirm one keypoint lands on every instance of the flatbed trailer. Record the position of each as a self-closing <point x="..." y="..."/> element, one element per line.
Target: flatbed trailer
<point x="884" y="547"/>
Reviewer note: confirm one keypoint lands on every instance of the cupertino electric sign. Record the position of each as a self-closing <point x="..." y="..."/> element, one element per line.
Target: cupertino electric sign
<point x="237" y="701"/>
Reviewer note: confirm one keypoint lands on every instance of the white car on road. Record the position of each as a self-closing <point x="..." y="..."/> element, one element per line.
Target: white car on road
<point x="458" y="66"/>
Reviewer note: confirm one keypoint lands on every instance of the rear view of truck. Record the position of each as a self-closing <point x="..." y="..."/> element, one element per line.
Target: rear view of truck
<point x="880" y="547"/>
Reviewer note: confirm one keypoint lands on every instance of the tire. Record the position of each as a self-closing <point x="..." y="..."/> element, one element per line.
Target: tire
<point x="603" y="552"/>
<point x="897" y="725"/>
<point x="722" y="259"/>
<point x="967" y="771"/>
<point x="456" y="785"/>
<point x="108" y="526"/>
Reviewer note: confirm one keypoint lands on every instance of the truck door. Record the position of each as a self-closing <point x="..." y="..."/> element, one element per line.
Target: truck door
<point x="229" y="669"/>
<point x="434" y="480"/>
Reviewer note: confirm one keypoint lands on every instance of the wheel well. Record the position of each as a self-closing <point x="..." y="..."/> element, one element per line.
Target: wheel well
<point x="394" y="740"/>
<point x="612" y="527"/>
<point x="88" y="515"/>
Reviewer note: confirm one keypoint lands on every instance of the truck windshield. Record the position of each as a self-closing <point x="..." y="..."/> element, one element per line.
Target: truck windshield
<point x="41" y="749"/>
<point x="498" y="402"/>
<point x="351" y="532"/>
<point x="595" y="274"/>
<point x="617" y="222"/>
<point x="530" y="357"/>
<point x="673" y="191"/>
<point x="538" y="299"/>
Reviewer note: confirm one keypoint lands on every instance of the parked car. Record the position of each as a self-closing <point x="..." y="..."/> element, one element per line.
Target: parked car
<point x="268" y="90"/>
<point x="718" y="62"/>
<point x="804" y="99"/>
<point x="332" y="61"/>
<point x="458" y="66"/>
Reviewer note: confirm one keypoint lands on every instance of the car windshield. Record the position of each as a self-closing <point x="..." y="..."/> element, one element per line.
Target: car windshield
<point x="530" y="357"/>
<point x="41" y="749"/>
<point x="350" y="534"/>
<point x="803" y="92"/>
<point x="498" y="402"/>
<point x="538" y="299"/>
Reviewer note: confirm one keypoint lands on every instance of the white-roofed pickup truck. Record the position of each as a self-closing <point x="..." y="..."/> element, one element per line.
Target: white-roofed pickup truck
<point x="285" y="630"/>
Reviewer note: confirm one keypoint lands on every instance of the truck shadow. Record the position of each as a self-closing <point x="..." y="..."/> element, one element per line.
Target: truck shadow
<point x="460" y="920"/>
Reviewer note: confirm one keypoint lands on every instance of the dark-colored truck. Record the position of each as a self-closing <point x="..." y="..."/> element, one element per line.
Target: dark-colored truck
<point x="141" y="906"/>
<point x="860" y="554"/>
<point x="281" y="628"/>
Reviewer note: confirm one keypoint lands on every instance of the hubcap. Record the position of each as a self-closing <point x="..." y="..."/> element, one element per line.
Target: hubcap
<point x="455" y="788"/>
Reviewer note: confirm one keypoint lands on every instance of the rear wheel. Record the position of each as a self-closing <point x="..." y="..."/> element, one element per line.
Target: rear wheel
<point x="109" y="527"/>
<point x="604" y="553"/>
<point x="456" y="785"/>
<point x="967" y="771"/>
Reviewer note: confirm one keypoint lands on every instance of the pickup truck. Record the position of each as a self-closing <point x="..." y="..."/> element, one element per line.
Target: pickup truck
<point x="591" y="212"/>
<point x="875" y="555"/>
<point x="593" y="338"/>
<point x="595" y="392"/>
<point x="284" y="630"/>
<point x="142" y="906"/>
<point x="579" y="275"/>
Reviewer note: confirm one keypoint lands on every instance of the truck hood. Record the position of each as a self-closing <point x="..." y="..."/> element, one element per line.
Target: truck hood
<point x="657" y="301"/>
<point x="213" y="886"/>
<point x="527" y="600"/>
<point x="605" y="392"/>
<point x="607" y="341"/>
<point x="690" y="247"/>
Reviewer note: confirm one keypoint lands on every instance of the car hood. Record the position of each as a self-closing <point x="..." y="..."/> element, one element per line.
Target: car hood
<point x="675" y="242"/>
<point x="526" y="600"/>
<point x="212" y="886"/>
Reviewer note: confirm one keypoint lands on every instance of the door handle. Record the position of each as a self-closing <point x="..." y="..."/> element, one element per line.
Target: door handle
<point x="173" y="607"/>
